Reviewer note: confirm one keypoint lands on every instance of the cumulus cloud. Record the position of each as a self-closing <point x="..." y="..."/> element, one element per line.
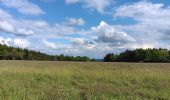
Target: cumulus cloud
<point x="64" y="29"/>
<point x="6" y="27"/>
<point x="59" y="46"/>
<point x="40" y="24"/>
<point x="79" y="41"/>
<point x="143" y="11"/>
<point x="50" y="45"/>
<point x="152" y="19"/>
<point x="14" y="42"/>
<point x="74" y="21"/>
<point x="84" y="43"/>
<point x="98" y="5"/>
<point x="10" y="25"/>
<point x="109" y="34"/>
<point x="37" y="28"/>
<point x="104" y="37"/>
<point x="9" y="28"/>
<point x="67" y="27"/>
<point x="24" y="32"/>
<point x="21" y="43"/>
<point x="23" y="6"/>
<point x="144" y="46"/>
<point x="4" y="15"/>
<point x="71" y="1"/>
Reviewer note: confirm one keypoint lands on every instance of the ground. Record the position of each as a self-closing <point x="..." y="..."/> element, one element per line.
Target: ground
<point x="38" y="80"/>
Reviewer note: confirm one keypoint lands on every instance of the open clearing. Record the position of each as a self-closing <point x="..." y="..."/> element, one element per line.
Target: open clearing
<point x="36" y="80"/>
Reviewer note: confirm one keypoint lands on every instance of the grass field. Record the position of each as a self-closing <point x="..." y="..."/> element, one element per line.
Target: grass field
<point x="26" y="80"/>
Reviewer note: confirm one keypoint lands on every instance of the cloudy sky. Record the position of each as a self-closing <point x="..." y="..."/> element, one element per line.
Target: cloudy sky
<point x="85" y="27"/>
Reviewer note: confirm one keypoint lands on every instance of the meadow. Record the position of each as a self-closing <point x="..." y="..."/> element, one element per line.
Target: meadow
<point x="45" y="80"/>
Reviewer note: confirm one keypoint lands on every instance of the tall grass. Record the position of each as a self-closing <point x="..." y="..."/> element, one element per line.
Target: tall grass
<point x="36" y="80"/>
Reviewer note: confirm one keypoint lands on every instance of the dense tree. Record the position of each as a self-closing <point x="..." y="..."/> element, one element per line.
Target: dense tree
<point x="141" y="55"/>
<point x="11" y="53"/>
<point x="110" y="57"/>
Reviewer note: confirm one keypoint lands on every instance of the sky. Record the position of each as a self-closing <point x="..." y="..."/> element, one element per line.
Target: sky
<point x="90" y="28"/>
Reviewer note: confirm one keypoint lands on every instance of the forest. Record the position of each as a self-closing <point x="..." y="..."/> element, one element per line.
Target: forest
<point x="140" y="55"/>
<point x="12" y="53"/>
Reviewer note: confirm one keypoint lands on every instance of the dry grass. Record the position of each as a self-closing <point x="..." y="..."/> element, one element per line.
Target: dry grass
<point x="33" y="80"/>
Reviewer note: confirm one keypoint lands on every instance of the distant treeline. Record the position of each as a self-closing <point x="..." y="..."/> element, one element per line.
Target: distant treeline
<point x="140" y="55"/>
<point x="12" y="53"/>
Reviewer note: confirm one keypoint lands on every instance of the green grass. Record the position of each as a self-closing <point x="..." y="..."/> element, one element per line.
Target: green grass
<point x="33" y="80"/>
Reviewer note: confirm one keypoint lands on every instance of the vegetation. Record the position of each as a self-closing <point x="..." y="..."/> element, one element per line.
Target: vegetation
<point x="37" y="80"/>
<point x="140" y="55"/>
<point x="11" y="53"/>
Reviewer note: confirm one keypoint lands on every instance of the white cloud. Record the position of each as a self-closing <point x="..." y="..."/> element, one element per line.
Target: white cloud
<point x="79" y="41"/>
<point x="8" y="24"/>
<point x="59" y="46"/>
<point x="63" y="29"/>
<point x="14" y="42"/>
<point x="143" y="11"/>
<point x="5" y="41"/>
<point x="6" y="27"/>
<point x="144" y="46"/>
<point x="24" y="32"/>
<point x="37" y="28"/>
<point x="23" y="6"/>
<point x="21" y="43"/>
<point x="98" y="5"/>
<point x="152" y="19"/>
<point x="9" y="28"/>
<point x="4" y="15"/>
<point x="109" y="34"/>
<point x="50" y="45"/>
<point x="71" y="1"/>
<point x="74" y="21"/>
<point x="40" y="24"/>
<point x="152" y="25"/>
<point x="43" y="29"/>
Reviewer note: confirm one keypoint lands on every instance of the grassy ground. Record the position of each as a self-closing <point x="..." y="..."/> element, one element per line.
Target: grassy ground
<point x="83" y="81"/>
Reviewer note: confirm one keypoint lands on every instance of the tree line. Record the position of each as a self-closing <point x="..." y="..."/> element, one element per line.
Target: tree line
<point x="12" y="53"/>
<point x="140" y="55"/>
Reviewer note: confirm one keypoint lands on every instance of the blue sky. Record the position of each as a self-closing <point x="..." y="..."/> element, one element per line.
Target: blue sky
<point x="85" y="27"/>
